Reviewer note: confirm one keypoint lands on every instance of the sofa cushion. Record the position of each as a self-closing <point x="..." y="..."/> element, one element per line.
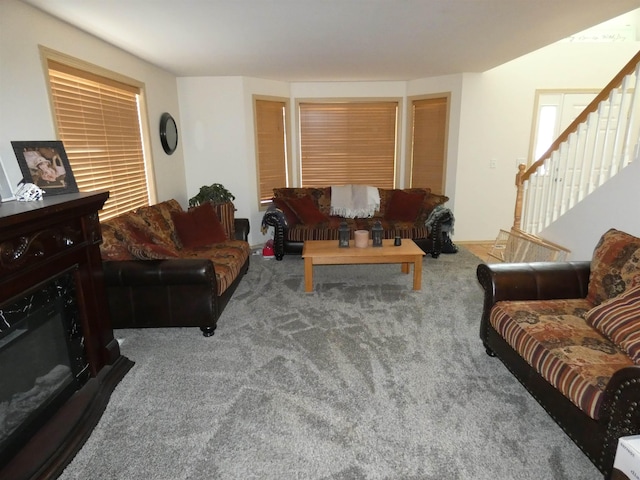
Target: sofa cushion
<point x="152" y="251"/>
<point x="113" y="246"/>
<point x="306" y="210"/>
<point x="199" y="226"/>
<point x="404" y="206"/>
<point x="619" y="320"/>
<point x="121" y="231"/>
<point x="228" y="257"/>
<point x="302" y="232"/>
<point x="554" y="338"/>
<point x="615" y="266"/>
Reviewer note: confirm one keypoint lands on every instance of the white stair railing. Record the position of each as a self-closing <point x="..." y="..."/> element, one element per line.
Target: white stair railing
<point x="599" y="143"/>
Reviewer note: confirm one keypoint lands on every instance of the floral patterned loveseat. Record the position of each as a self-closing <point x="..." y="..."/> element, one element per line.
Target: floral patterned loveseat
<point x="570" y="333"/>
<point x="166" y="267"/>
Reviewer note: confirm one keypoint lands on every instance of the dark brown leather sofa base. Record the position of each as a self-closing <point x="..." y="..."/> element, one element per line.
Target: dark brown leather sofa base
<point x="166" y="293"/>
<point x="177" y="292"/>
<point x="619" y="413"/>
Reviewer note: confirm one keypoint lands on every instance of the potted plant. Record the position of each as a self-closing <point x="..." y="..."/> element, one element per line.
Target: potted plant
<point x="215" y="193"/>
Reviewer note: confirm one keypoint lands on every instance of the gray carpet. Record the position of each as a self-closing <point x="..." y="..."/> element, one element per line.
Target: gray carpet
<point x="362" y="379"/>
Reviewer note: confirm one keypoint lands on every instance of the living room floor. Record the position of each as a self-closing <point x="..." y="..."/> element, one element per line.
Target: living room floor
<point x="479" y="249"/>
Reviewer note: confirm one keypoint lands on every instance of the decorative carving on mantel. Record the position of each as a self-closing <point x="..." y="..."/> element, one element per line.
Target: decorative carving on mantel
<point x="15" y="253"/>
<point x="94" y="234"/>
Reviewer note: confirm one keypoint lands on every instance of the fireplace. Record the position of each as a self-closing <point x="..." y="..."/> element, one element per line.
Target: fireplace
<point x="42" y="361"/>
<point x="59" y="361"/>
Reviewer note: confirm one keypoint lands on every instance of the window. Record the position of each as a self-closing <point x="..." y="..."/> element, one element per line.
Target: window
<point x="271" y="146"/>
<point x="553" y="112"/>
<point x="348" y="143"/>
<point x="98" y="121"/>
<point x="429" y="137"/>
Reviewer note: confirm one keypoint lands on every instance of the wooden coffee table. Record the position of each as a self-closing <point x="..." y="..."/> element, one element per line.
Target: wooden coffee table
<point x="327" y="252"/>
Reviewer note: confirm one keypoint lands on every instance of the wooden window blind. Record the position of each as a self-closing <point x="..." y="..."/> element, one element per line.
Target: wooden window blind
<point x="99" y="124"/>
<point x="348" y="143"/>
<point x="429" y="139"/>
<point x="270" y="117"/>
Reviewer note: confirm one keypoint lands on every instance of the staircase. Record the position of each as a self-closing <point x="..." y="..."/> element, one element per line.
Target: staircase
<point x="599" y="143"/>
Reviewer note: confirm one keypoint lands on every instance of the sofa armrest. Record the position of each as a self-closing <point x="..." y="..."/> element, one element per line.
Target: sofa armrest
<point x="619" y="410"/>
<point x="242" y="228"/>
<point x="176" y="271"/>
<point x="530" y="281"/>
<point x="274" y="217"/>
<point x="162" y="293"/>
<point x="534" y="281"/>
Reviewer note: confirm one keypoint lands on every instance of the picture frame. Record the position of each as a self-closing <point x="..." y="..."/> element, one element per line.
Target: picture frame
<point x="45" y="164"/>
<point x="6" y="192"/>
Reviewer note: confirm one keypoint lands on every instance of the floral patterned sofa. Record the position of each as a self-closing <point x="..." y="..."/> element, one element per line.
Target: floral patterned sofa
<point x="166" y="267"/>
<point x="570" y="333"/>
<point x="299" y="214"/>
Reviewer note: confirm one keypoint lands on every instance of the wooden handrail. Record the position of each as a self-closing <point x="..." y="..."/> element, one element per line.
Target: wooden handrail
<point x="525" y="173"/>
<point x="517" y="214"/>
<point x="592" y="107"/>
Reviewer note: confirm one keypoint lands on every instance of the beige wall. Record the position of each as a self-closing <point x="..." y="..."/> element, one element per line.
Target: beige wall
<point x="496" y="122"/>
<point x="25" y="112"/>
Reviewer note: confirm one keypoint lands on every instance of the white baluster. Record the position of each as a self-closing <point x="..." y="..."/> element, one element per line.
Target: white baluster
<point x="631" y="131"/>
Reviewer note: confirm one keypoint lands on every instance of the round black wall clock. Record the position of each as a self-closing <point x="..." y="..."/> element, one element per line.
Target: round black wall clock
<point x="168" y="133"/>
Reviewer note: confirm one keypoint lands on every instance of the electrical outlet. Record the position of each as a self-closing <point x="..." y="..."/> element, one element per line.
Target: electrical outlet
<point x="492" y="163"/>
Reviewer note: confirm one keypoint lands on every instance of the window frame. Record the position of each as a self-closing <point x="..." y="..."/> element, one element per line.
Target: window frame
<point x="542" y="99"/>
<point x="410" y="140"/>
<point x="47" y="55"/>
<point x="288" y="161"/>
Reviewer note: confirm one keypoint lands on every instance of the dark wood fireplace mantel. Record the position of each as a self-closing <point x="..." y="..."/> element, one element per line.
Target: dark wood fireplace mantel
<point x="38" y="240"/>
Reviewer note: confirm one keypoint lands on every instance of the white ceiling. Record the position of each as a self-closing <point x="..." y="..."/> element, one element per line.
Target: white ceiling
<point x="332" y="40"/>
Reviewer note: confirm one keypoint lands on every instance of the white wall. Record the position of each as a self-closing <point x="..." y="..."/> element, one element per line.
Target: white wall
<point x="219" y="141"/>
<point x="490" y="119"/>
<point x="25" y="111"/>
<point x="214" y="133"/>
<point x="614" y="205"/>
<point x="496" y="122"/>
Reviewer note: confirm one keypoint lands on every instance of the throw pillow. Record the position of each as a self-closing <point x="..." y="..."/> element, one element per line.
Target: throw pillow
<point x="306" y="210"/>
<point x="292" y="218"/>
<point x="158" y="224"/>
<point x="112" y="247"/>
<point x="131" y="228"/>
<point x="404" y="206"/>
<point x="199" y="226"/>
<point x="615" y="266"/>
<point x="152" y="251"/>
<point x="619" y="320"/>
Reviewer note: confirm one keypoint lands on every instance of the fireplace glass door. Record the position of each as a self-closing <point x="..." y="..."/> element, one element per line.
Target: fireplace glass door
<point x="41" y="359"/>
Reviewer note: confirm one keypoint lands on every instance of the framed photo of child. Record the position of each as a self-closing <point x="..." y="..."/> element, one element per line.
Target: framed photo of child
<point x="45" y="164"/>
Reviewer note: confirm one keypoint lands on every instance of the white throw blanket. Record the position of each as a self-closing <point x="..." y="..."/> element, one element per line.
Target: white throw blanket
<point x="351" y="201"/>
